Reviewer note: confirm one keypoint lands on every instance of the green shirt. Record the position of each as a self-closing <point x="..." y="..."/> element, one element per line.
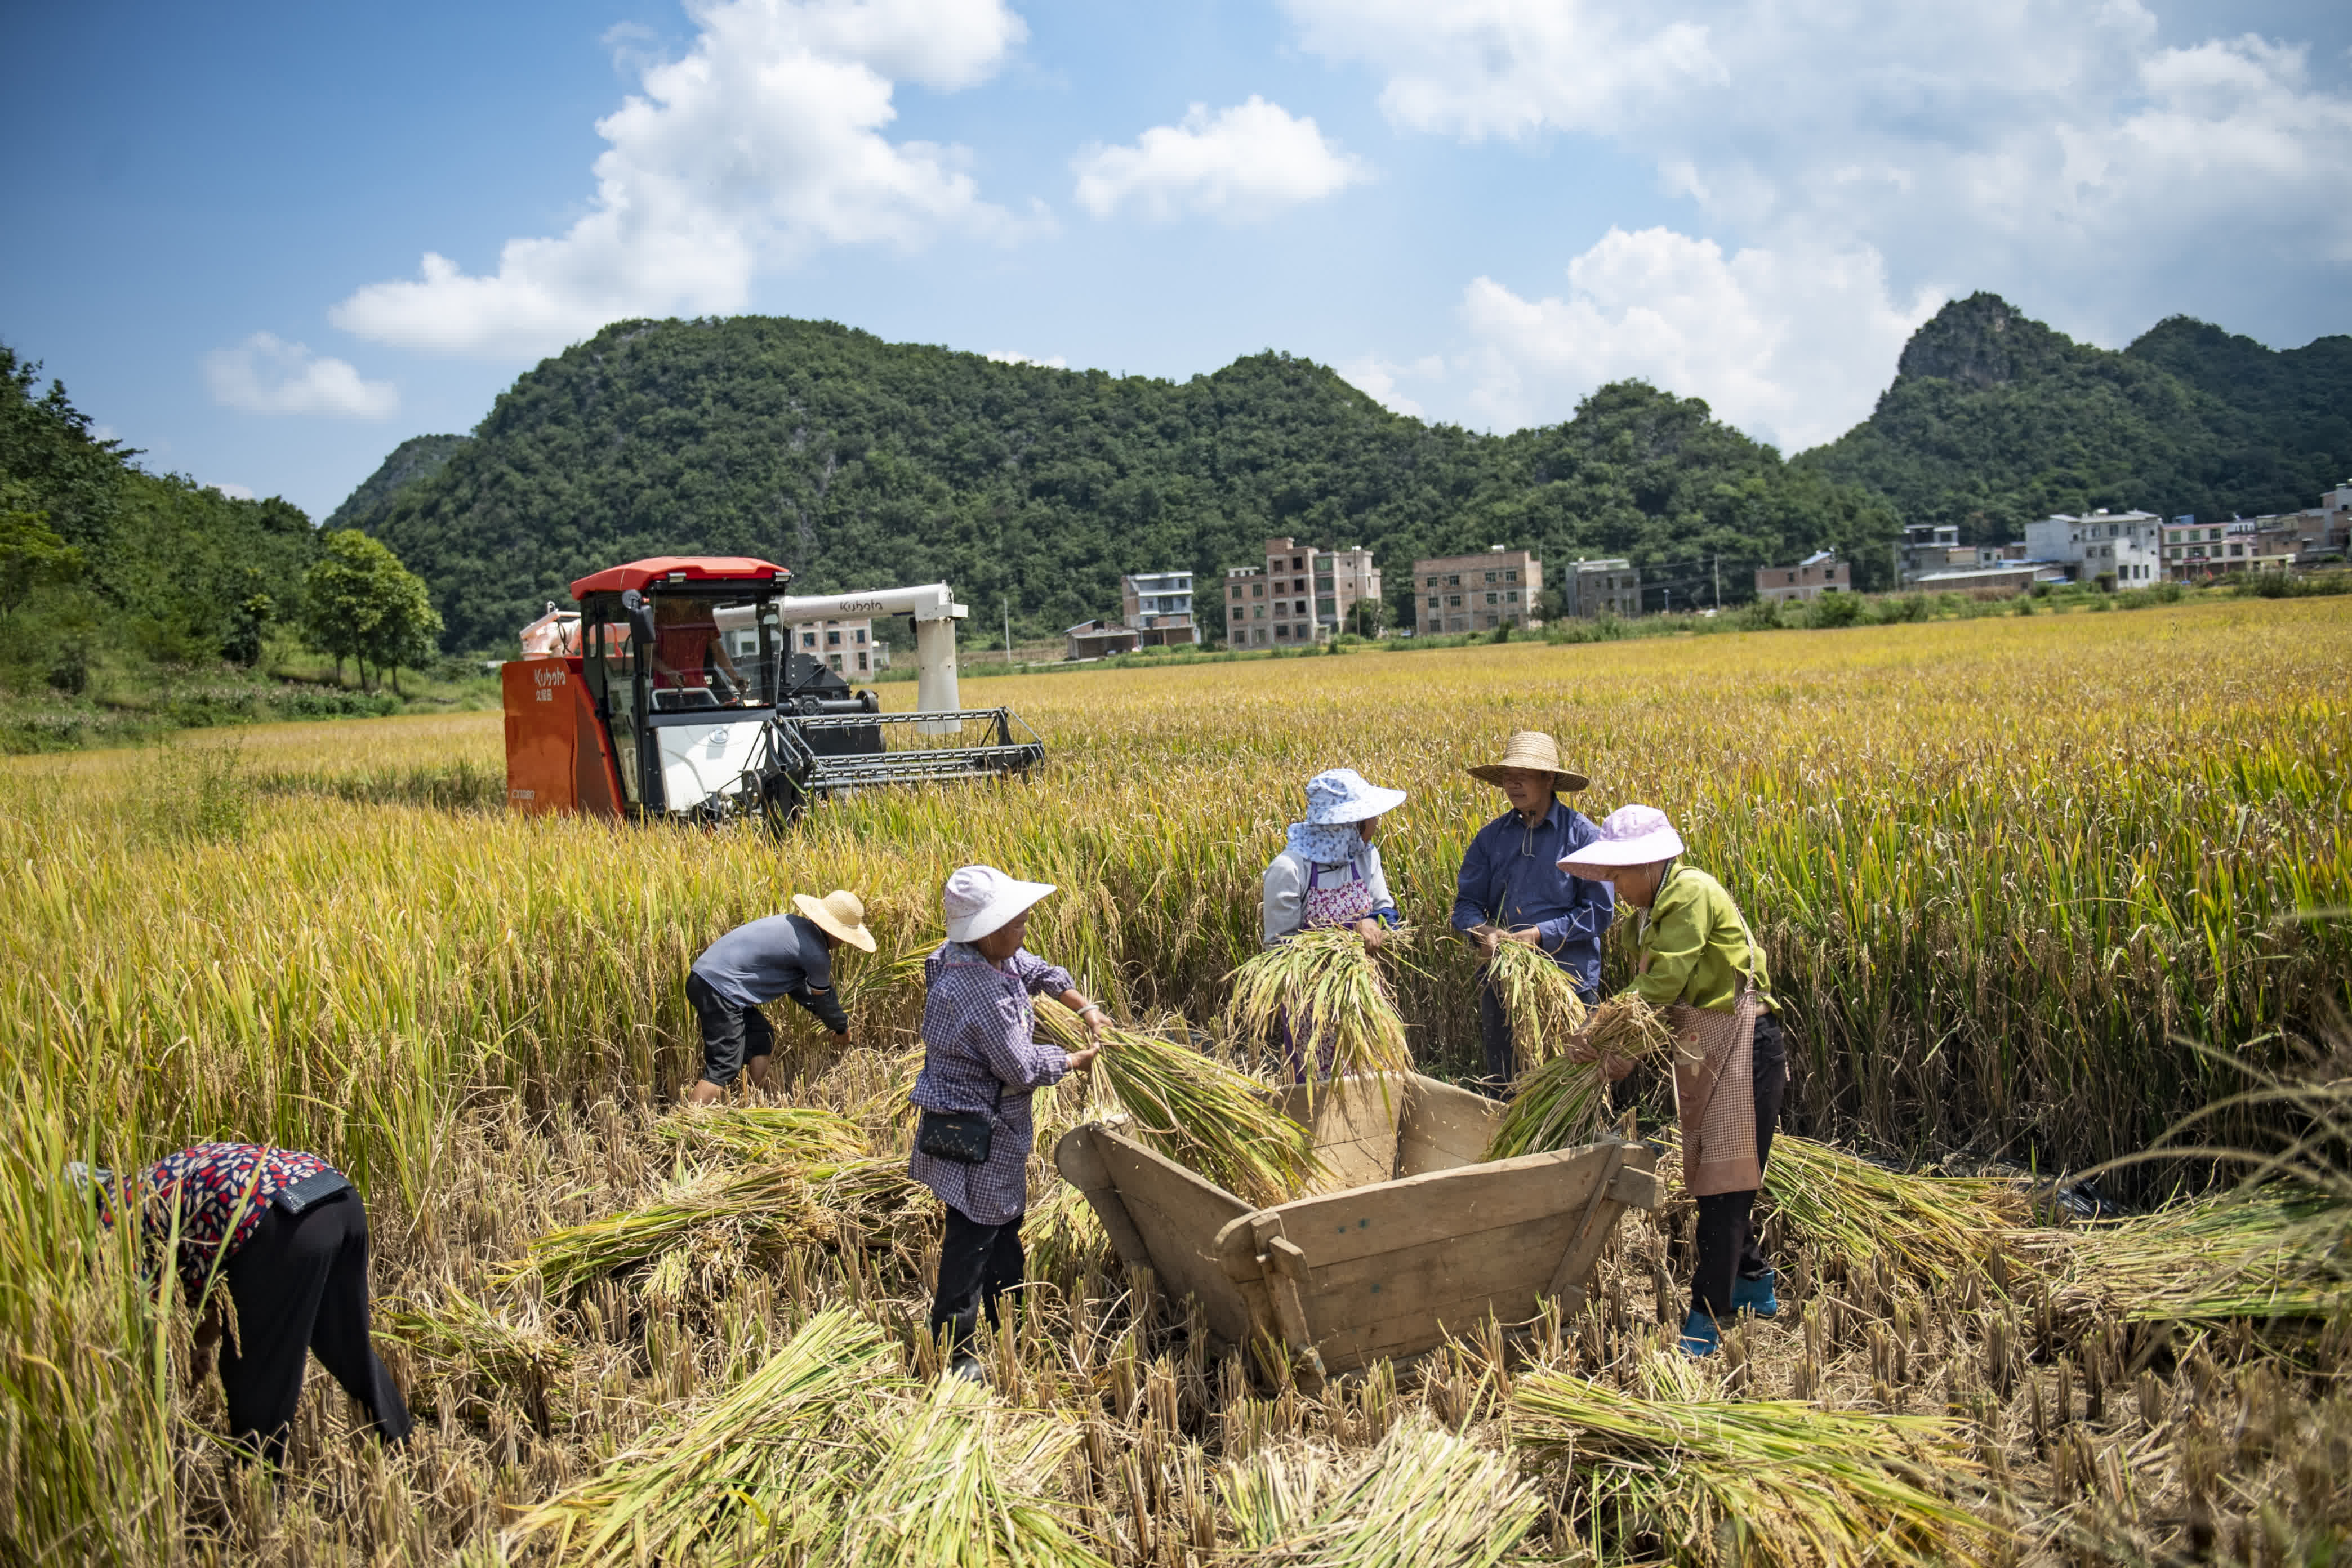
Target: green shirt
<point x="1697" y="946"/>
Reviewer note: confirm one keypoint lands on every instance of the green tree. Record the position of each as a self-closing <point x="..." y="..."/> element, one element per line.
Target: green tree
<point x="360" y="603"/>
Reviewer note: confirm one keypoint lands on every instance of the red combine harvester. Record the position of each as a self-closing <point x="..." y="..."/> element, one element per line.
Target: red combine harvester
<point x="674" y="693"/>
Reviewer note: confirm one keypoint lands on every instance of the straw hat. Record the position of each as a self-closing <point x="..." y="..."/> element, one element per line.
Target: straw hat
<point x="1535" y="750"/>
<point x="1630" y="836"/>
<point x="1343" y="794"/>
<point x="981" y="898"/>
<point x="840" y="913"/>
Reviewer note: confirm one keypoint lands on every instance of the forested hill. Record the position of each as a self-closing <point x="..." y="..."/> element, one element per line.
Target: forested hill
<point x="861" y="463"/>
<point x="1995" y="419"/>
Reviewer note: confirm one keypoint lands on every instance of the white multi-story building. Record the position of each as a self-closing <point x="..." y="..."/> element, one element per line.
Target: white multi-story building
<point x="2127" y="548"/>
<point x="1158" y="606"/>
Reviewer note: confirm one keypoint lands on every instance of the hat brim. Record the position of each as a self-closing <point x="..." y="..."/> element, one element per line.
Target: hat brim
<point x="1561" y="779"/>
<point x="1010" y="900"/>
<point x="1616" y="855"/>
<point x="856" y="936"/>
<point x="1374" y="802"/>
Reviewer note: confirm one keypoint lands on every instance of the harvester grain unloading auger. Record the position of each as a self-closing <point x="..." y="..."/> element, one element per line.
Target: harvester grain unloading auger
<point x="676" y="693"/>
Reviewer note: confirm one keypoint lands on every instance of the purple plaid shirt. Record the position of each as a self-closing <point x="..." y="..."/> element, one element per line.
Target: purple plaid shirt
<point x="979" y="1053"/>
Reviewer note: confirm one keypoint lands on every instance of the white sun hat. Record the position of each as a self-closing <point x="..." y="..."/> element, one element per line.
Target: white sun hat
<point x="1343" y="794"/>
<point x="980" y="899"/>
<point x="1630" y="836"/>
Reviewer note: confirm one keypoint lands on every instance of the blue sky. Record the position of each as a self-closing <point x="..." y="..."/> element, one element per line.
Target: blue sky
<point x="1477" y="212"/>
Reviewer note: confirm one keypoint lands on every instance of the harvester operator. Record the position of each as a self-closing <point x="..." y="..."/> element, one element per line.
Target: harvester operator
<point x="1704" y="968"/>
<point x="780" y="955"/>
<point x="1513" y="886"/>
<point x="981" y="1063"/>
<point x="281" y="1236"/>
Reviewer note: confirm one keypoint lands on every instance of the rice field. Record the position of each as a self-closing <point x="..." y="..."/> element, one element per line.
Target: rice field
<point x="2009" y="874"/>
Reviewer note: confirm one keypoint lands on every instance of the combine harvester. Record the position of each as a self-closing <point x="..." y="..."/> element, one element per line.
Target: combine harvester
<point x="674" y="693"/>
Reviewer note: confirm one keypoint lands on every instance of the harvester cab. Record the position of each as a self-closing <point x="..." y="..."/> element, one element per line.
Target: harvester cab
<point x="676" y="693"/>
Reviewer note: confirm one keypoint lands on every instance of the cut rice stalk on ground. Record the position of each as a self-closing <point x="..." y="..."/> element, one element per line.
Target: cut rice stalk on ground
<point x="1325" y="987"/>
<point x="1674" y="1469"/>
<point x="1202" y="1113"/>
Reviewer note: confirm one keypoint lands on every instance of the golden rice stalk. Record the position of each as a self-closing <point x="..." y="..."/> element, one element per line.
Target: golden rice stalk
<point x="1200" y="1114"/>
<point x="1539" y="1002"/>
<point x="767" y="1205"/>
<point x="960" y="1481"/>
<point x="1425" y="1496"/>
<point x="2276" y="1254"/>
<point x="1325" y="984"/>
<point x="759" y="1475"/>
<point x="1628" y="1028"/>
<point x="1767" y="1482"/>
<point x="1938" y="1229"/>
<point x="463" y="1338"/>
<point x="782" y="1133"/>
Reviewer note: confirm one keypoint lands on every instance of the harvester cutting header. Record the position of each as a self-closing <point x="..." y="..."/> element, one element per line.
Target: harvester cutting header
<point x="675" y="692"/>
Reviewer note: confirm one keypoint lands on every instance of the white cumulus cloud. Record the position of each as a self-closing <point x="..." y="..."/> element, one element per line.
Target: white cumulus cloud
<point x="1244" y="162"/>
<point x="1791" y="347"/>
<point x="762" y="142"/>
<point x="2058" y="153"/>
<point x="266" y="374"/>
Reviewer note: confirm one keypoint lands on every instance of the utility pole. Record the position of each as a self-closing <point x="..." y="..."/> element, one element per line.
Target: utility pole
<point x="1008" y="631"/>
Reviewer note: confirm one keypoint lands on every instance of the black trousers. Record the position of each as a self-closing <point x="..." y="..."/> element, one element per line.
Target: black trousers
<point x="1726" y="1234"/>
<point x="731" y="1033"/>
<point x="301" y="1285"/>
<point x="978" y="1263"/>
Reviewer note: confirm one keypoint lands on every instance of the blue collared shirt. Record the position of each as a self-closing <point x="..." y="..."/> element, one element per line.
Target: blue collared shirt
<point x="1511" y="878"/>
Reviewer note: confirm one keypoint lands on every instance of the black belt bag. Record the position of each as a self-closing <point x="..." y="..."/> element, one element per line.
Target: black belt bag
<point x="296" y="1198"/>
<point x="963" y="1136"/>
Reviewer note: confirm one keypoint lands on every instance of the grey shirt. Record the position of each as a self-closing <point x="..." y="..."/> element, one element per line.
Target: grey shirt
<point x="782" y="955"/>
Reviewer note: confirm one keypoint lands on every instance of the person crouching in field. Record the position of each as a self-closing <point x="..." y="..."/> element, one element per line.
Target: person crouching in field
<point x="781" y="955"/>
<point x="981" y="1065"/>
<point x="1514" y="887"/>
<point x="1703" y="968"/>
<point x="284" y="1235"/>
<point x="1329" y="874"/>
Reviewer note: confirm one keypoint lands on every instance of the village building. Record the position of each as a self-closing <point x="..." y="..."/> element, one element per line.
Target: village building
<point x="1610" y="586"/>
<point x="1158" y="606"/>
<point x="1301" y="596"/>
<point x="2124" y="548"/>
<point x="1818" y="574"/>
<point x="1477" y="593"/>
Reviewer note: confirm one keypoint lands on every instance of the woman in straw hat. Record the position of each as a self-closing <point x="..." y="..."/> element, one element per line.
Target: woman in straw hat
<point x="982" y="1063"/>
<point x="1702" y="966"/>
<point x="750" y="966"/>
<point x="1329" y="872"/>
<point x="1512" y="888"/>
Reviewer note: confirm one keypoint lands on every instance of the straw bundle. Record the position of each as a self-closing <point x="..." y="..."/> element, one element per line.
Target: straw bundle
<point x="1539" y="1002"/>
<point x="2262" y="1256"/>
<point x="758" y="1475"/>
<point x="1425" y="1496"/>
<point x="1203" y="1114"/>
<point x="462" y="1338"/>
<point x="1938" y="1229"/>
<point x="783" y="1133"/>
<point x="766" y="1207"/>
<point x="1769" y="1481"/>
<point x="1324" y="985"/>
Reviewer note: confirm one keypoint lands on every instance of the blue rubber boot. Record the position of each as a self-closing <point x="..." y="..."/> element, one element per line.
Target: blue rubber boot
<point x="1756" y="1295"/>
<point x="1700" y="1335"/>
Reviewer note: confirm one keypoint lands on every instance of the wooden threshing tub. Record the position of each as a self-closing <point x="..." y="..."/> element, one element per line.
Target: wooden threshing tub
<point x="1409" y="1236"/>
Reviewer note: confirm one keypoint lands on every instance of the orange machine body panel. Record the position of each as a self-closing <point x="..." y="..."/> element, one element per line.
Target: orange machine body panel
<point x="557" y="755"/>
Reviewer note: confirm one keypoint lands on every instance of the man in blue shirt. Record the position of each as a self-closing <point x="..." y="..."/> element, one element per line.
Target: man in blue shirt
<point x="1512" y="889"/>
